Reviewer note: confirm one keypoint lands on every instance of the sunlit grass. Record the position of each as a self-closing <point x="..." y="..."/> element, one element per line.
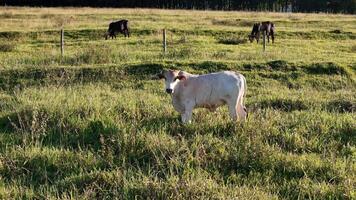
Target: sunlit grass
<point x="94" y="125"/>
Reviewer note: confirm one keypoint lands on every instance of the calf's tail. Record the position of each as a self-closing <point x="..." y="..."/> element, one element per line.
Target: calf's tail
<point x="242" y="93"/>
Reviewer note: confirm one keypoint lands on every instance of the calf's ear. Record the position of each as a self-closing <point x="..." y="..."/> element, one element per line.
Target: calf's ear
<point x="181" y="77"/>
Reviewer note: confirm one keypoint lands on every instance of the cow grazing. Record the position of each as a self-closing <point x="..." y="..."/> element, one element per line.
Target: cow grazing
<point x="209" y="91"/>
<point x="267" y="27"/>
<point x="121" y="26"/>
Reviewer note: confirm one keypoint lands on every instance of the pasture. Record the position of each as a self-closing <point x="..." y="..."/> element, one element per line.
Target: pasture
<point x="93" y="125"/>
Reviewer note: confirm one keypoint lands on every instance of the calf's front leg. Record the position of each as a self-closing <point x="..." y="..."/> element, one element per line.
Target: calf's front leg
<point x="188" y="110"/>
<point x="187" y="117"/>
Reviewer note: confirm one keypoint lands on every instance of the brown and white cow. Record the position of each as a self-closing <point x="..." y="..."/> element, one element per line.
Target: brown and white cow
<point x="209" y="91"/>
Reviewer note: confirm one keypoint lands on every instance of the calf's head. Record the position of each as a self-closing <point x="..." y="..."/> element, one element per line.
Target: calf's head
<point x="171" y="77"/>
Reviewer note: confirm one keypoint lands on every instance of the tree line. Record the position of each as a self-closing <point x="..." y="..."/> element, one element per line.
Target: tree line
<point x="333" y="6"/>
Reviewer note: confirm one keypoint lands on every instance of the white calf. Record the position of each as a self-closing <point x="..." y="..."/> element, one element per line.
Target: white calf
<point x="209" y="91"/>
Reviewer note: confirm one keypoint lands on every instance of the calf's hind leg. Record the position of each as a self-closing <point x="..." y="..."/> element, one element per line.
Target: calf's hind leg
<point x="241" y="109"/>
<point x="237" y="110"/>
<point x="233" y="110"/>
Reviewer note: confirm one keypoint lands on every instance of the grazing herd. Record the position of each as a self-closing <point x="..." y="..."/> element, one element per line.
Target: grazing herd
<point x="209" y="91"/>
<point x="122" y="26"/>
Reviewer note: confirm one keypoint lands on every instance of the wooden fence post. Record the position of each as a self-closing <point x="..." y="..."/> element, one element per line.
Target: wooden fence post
<point x="264" y="41"/>
<point x="164" y="41"/>
<point x="62" y="42"/>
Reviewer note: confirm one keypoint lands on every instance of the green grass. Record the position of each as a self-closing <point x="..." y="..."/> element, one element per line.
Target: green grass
<point x="94" y="125"/>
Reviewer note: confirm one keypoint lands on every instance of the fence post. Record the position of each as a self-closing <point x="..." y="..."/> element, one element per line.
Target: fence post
<point x="164" y="41"/>
<point x="264" y="41"/>
<point x="62" y="42"/>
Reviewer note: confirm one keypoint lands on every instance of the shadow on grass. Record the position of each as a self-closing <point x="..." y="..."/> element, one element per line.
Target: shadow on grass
<point x="55" y="130"/>
<point x="173" y="126"/>
<point x="144" y="70"/>
<point x="341" y="106"/>
<point x="22" y="78"/>
<point x="347" y="135"/>
<point x="327" y="68"/>
<point x="231" y="40"/>
<point x="209" y="66"/>
<point x="286" y="105"/>
<point x="283" y="71"/>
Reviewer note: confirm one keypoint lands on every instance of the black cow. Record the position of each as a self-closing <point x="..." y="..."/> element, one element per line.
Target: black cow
<point x="121" y="26"/>
<point x="267" y="27"/>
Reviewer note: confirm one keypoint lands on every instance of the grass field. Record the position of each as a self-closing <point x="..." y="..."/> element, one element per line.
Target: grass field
<point x="93" y="125"/>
